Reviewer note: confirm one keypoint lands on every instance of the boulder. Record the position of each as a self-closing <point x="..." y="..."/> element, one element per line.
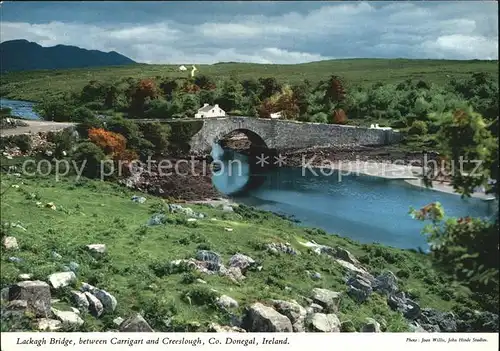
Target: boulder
<point x="35" y="293"/>
<point x="359" y="288"/>
<point x="68" y="317"/>
<point x="108" y="301"/>
<point x="327" y="299"/>
<point x="445" y="321"/>
<point x="49" y="325"/>
<point x="95" y="306"/>
<point x="10" y="243"/>
<point x="347" y="327"/>
<point x="324" y="323"/>
<point x="241" y="261"/>
<point x="226" y="302"/>
<point x="99" y="248"/>
<point x="61" y="279"/>
<point x="371" y="326"/>
<point x="261" y="318"/>
<point x="80" y="300"/>
<point x="135" y="324"/>
<point x="293" y="311"/>
<point x="286" y="248"/>
<point x="386" y="283"/>
<point x="399" y="302"/>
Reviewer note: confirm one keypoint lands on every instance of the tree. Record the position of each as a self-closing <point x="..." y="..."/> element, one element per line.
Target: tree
<point x="339" y="116"/>
<point x="230" y="95"/>
<point x="270" y="86"/>
<point x="112" y="144"/>
<point x="168" y="87"/>
<point x="467" y="247"/>
<point x="204" y="82"/>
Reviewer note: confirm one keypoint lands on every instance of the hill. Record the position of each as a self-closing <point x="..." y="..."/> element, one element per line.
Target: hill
<point x="35" y="85"/>
<point x="22" y="55"/>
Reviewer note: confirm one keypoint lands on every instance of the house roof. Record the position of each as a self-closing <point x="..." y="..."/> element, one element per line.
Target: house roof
<point x="205" y="108"/>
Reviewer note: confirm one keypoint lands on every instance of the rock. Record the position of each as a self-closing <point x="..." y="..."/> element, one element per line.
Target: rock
<point x="416" y="328"/>
<point x="316" y="308"/>
<point x="74" y="267"/>
<point x="347" y="327"/>
<point x="371" y="326"/>
<point x="46" y="324"/>
<point x="260" y="318"/>
<point x="61" y="279"/>
<point x="445" y="321"/>
<point x="293" y="311"/>
<point x="76" y="310"/>
<point x="138" y="199"/>
<point x="108" y="301"/>
<point x="4" y="294"/>
<point x="201" y="281"/>
<point x="55" y="255"/>
<point x="87" y="287"/>
<point x="328" y="299"/>
<point x="209" y="256"/>
<point x="324" y="323"/>
<point x="386" y="283"/>
<point x="10" y="243"/>
<point x="14" y="259"/>
<point x="399" y="302"/>
<point x="233" y="273"/>
<point x="35" y="293"/>
<point x="24" y="276"/>
<point x="227" y="208"/>
<point x="359" y="288"/>
<point x="344" y="255"/>
<point x="68" y="317"/>
<point x="241" y="261"/>
<point x="214" y="327"/>
<point x="228" y="229"/>
<point x="226" y="302"/>
<point x="135" y="324"/>
<point x="118" y="321"/>
<point x="280" y="247"/>
<point x="189" y="220"/>
<point x="95" y="306"/>
<point x="316" y="276"/>
<point x="99" y="248"/>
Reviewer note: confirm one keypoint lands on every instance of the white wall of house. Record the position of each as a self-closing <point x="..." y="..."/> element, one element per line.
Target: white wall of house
<point x="208" y="111"/>
<point x="276" y="115"/>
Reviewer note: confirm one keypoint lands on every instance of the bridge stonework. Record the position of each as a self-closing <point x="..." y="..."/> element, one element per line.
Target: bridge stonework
<point x="284" y="135"/>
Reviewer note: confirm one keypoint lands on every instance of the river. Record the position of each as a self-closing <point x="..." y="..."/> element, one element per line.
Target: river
<point x="363" y="208"/>
<point x="22" y="109"/>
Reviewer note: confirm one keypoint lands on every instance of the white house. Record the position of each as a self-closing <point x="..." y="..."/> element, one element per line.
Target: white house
<point x="182" y="68"/>
<point x="276" y="115"/>
<point x="208" y="111"/>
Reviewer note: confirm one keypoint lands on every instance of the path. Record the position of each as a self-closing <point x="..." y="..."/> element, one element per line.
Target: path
<point x="35" y="127"/>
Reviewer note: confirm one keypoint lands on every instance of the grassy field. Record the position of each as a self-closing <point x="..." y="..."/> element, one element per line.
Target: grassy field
<point x="90" y="212"/>
<point x="34" y="86"/>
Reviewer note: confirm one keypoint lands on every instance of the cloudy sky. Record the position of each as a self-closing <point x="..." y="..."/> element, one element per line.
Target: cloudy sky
<point x="262" y="32"/>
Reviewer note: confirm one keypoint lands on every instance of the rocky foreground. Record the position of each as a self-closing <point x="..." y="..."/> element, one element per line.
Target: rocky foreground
<point x="37" y="300"/>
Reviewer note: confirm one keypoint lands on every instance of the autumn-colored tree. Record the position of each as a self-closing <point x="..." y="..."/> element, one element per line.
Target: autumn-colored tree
<point x="339" y="116"/>
<point x="335" y="90"/>
<point x="146" y="88"/>
<point x="111" y="143"/>
<point x="265" y="109"/>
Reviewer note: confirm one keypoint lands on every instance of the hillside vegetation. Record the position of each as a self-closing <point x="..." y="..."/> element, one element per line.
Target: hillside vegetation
<point x="37" y="85"/>
<point x="137" y="266"/>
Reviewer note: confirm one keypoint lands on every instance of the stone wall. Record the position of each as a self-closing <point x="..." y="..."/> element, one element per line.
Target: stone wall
<point x="282" y="135"/>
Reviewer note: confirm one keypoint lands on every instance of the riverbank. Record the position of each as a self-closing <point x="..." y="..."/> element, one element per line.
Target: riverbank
<point x="206" y="267"/>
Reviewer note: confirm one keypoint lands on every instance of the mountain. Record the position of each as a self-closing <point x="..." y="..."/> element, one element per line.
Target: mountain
<point x="22" y="55"/>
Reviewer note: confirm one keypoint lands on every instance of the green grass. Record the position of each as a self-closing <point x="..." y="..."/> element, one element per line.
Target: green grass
<point x="133" y="271"/>
<point x="35" y="85"/>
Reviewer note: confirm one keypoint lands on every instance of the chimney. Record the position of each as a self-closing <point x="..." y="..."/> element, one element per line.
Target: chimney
<point x="216" y="106"/>
<point x="205" y="105"/>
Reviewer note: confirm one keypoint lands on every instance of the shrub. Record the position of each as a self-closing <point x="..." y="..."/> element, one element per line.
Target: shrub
<point x="339" y="116"/>
<point x="90" y="156"/>
<point x="157" y="134"/>
<point x="111" y="143"/>
<point x="58" y="110"/>
<point x="82" y="114"/>
<point x="418" y="128"/>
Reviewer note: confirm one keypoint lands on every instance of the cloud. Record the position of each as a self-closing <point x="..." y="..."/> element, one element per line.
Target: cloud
<point x="275" y="32"/>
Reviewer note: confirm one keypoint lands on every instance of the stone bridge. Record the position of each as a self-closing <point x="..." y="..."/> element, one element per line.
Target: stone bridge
<point x="283" y="134"/>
